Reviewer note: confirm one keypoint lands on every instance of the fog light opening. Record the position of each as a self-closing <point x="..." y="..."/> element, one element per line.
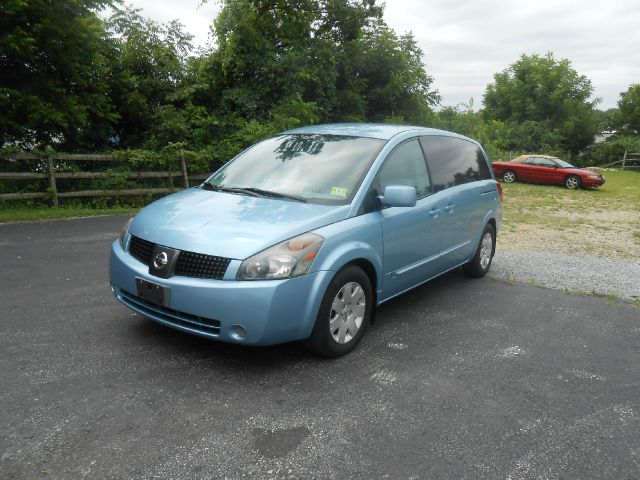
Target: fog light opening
<point x="237" y="332"/>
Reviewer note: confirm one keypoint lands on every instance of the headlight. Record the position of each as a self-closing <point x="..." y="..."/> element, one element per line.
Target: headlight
<point x="124" y="231"/>
<point x="288" y="259"/>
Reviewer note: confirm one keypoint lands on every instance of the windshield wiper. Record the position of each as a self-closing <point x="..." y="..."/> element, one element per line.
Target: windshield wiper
<point x="219" y="188"/>
<point x="252" y="191"/>
<point x="269" y="193"/>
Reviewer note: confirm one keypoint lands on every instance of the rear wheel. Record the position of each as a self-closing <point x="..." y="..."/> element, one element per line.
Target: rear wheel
<point x="509" y="176"/>
<point x="344" y="314"/>
<point x="481" y="261"/>
<point x="572" y="182"/>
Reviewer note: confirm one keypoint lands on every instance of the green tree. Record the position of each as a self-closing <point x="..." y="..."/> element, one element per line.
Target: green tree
<point x="461" y="119"/>
<point x="77" y="82"/>
<point x="547" y="91"/>
<point x="606" y="118"/>
<point x="287" y="62"/>
<point x="149" y="80"/>
<point x="54" y="64"/>
<point x="628" y="115"/>
<point x="385" y="72"/>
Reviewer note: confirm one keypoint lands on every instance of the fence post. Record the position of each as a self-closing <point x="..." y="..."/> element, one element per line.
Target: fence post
<point x="52" y="176"/>
<point x="624" y="159"/>
<point x="183" y="166"/>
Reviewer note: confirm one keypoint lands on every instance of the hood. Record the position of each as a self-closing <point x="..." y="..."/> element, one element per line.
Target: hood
<point x="228" y="225"/>
<point x="581" y="171"/>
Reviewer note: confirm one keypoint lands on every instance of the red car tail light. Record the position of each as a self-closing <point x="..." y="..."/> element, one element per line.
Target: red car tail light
<point x="500" y="191"/>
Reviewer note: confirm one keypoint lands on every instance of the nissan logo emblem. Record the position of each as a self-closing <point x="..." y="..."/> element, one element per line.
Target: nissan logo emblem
<point x="160" y="260"/>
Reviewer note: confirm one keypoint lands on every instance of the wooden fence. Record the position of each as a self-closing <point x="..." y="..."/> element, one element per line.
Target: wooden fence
<point x="629" y="160"/>
<point x="51" y="175"/>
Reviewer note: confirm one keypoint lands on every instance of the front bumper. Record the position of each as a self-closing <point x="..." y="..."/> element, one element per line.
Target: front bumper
<point x="269" y="311"/>
<point x="592" y="182"/>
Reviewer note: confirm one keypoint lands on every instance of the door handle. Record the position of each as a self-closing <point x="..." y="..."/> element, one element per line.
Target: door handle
<point x="434" y="212"/>
<point x="449" y="208"/>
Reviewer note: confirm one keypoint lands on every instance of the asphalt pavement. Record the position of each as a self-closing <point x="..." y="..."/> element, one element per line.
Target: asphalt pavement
<point x="457" y="379"/>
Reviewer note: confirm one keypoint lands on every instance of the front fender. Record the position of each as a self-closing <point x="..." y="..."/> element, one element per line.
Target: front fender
<point x="356" y="238"/>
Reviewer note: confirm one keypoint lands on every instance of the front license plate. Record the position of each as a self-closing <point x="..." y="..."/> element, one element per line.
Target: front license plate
<point x="152" y="292"/>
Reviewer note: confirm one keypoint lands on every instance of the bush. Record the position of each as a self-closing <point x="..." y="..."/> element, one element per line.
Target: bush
<point x="611" y="150"/>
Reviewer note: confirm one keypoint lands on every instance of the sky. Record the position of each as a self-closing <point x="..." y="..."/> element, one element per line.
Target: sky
<point x="466" y="42"/>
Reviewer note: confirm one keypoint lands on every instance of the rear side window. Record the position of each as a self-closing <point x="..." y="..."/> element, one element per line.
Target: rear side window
<point x="454" y="161"/>
<point x="540" y="162"/>
<point x="545" y="162"/>
<point x="405" y="166"/>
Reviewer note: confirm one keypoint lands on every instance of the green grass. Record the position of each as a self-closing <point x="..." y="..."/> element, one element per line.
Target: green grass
<point x="610" y="298"/>
<point x="24" y="214"/>
<point x="620" y="192"/>
<point x="603" y="221"/>
<point x="607" y="295"/>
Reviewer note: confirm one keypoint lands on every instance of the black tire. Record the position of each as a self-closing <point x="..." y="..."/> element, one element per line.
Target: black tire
<point x="322" y="341"/>
<point x="509" y="176"/>
<point x="478" y="266"/>
<point x="572" y="182"/>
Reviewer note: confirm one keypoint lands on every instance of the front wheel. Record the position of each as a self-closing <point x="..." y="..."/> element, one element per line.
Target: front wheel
<point x="481" y="261"/>
<point x="572" y="182"/>
<point x="344" y="314"/>
<point x="509" y="176"/>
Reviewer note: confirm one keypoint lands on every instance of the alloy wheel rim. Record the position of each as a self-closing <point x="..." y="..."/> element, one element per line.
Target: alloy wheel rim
<point x="485" y="250"/>
<point x="572" y="182"/>
<point x="508" y="177"/>
<point x="347" y="313"/>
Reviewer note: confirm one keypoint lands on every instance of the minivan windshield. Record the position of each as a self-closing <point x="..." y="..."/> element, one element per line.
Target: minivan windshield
<point x="325" y="169"/>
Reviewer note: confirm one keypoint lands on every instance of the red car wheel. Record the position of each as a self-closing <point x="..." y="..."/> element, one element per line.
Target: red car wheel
<point x="572" y="182"/>
<point x="509" y="176"/>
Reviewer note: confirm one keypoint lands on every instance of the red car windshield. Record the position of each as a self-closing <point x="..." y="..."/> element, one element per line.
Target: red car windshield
<point x="562" y="163"/>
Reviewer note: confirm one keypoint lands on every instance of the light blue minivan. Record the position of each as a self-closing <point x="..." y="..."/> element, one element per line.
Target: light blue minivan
<point x="302" y="235"/>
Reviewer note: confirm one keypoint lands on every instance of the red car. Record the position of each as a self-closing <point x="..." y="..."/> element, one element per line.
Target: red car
<point x="546" y="169"/>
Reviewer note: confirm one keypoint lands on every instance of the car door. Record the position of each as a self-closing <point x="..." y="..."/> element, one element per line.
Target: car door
<point x="528" y="171"/>
<point x="546" y="171"/>
<point x="460" y="173"/>
<point x="412" y="238"/>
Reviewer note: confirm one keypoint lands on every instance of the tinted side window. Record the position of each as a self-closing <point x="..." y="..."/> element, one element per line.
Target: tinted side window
<point x="545" y="162"/>
<point x="453" y="161"/>
<point x="405" y="166"/>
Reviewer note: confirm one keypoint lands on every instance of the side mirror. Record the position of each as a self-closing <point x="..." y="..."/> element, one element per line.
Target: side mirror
<point x="399" y="196"/>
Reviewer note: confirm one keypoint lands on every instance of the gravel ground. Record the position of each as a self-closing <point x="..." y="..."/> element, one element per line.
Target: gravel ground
<point x="581" y="274"/>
